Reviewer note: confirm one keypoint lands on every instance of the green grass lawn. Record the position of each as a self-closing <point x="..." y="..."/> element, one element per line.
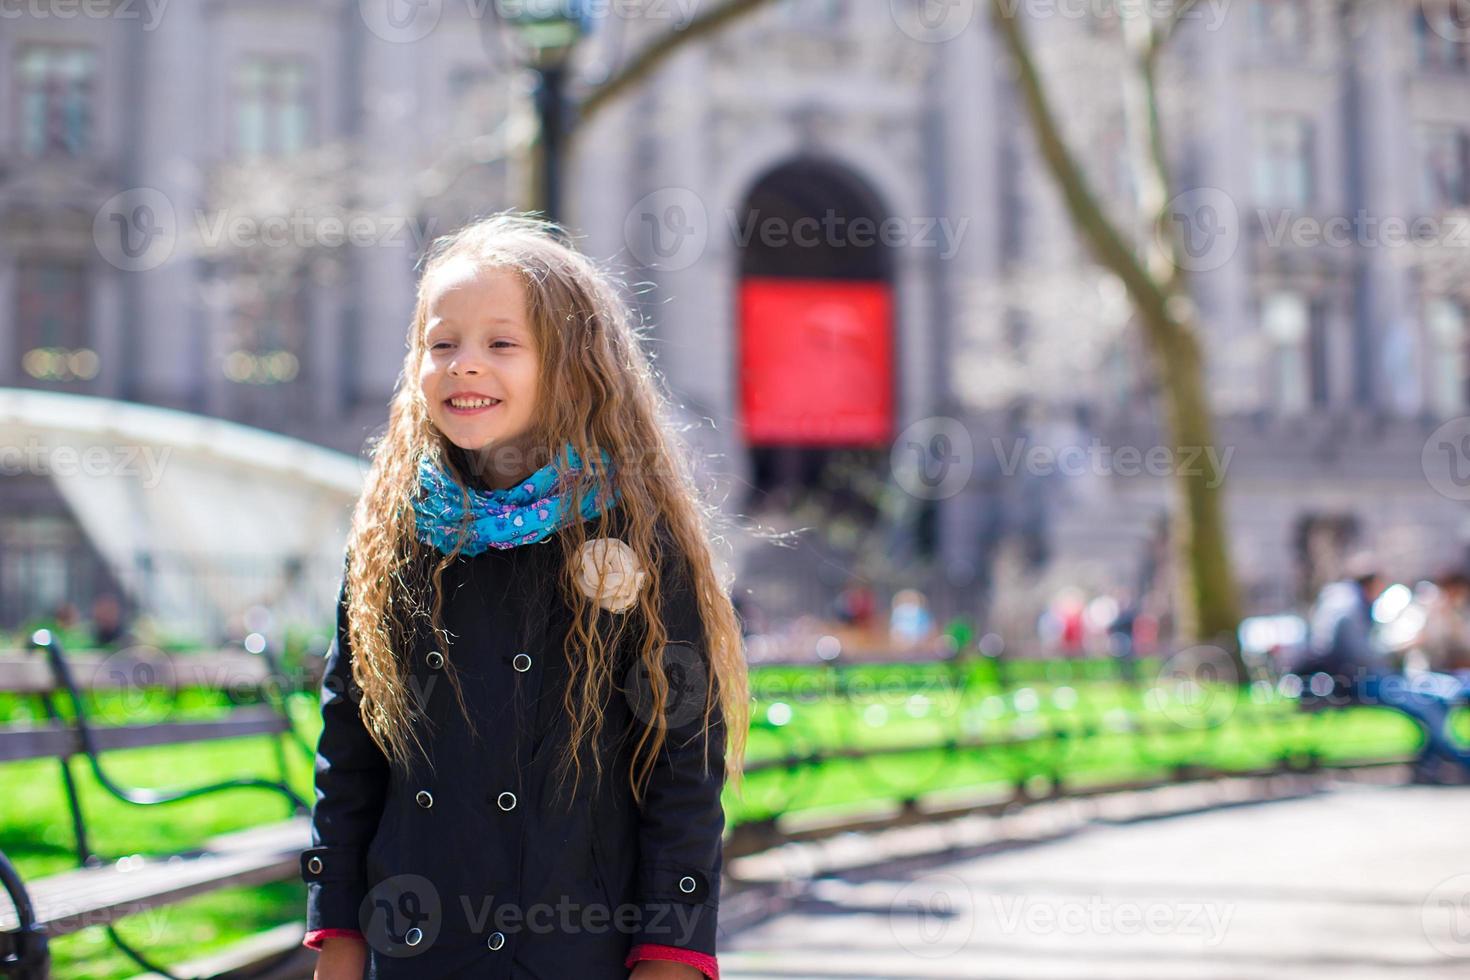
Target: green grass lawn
<point x="1087" y="719"/>
<point x="797" y="710"/>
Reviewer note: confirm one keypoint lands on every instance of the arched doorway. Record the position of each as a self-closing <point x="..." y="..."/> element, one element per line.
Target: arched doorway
<point x="815" y="339"/>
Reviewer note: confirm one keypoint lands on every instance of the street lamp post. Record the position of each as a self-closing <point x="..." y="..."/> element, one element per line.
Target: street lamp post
<point x="551" y="111"/>
<point x="540" y="35"/>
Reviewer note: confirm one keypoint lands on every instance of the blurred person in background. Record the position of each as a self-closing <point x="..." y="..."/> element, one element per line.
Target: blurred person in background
<point x="1341" y="642"/>
<point x="1120" y="633"/>
<point x="910" y="622"/>
<point x="108" y="628"/>
<point x="66" y="616"/>
<point x="856" y="605"/>
<point x="1445" y="638"/>
<point x="1062" y="623"/>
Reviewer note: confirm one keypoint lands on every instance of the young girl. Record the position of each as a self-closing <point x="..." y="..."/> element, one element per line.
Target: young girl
<point x="536" y="667"/>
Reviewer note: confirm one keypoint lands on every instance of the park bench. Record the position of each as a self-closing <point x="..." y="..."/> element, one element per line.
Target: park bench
<point x="1034" y="753"/>
<point x="100" y="891"/>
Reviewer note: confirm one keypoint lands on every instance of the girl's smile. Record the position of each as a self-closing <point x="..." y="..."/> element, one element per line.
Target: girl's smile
<point x="470" y="403"/>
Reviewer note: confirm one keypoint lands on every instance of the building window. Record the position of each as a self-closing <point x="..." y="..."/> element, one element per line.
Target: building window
<point x="1317" y="367"/>
<point x="1444" y="167"/>
<point x="265" y="357"/>
<point x="54" y="84"/>
<point x="42" y="558"/>
<point x="51" y="329"/>
<point x="1442" y="37"/>
<point x="1282" y="161"/>
<point x="1296" y="338"/>
<point x="272" y="116"/>
<point x="1279" y="27"/>
<point x="267" y="335"/>
<point x="1446" y="322"/>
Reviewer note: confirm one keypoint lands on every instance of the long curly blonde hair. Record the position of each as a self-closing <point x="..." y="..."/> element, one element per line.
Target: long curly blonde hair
<point x="598" y="391"/>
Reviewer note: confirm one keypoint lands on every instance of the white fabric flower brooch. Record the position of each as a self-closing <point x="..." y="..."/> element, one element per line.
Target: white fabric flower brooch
<point x="616" y="564"/>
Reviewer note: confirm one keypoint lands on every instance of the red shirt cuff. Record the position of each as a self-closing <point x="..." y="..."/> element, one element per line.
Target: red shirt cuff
<point x="313" y="939"/>
<point x="652" y="951"/>
<point x="706" y="964"/>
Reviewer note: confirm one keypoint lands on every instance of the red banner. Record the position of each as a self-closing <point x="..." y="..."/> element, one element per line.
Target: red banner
<point x="816" y="362"/>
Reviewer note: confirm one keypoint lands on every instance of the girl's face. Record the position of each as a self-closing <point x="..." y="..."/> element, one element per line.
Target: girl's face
<point x="481" y="369"/>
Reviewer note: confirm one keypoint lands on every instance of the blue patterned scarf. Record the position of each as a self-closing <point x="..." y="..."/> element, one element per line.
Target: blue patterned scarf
<point x="529" y="511"/>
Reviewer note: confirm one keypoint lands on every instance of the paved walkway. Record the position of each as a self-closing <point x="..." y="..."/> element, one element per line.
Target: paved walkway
<point x="1360" y="881"/>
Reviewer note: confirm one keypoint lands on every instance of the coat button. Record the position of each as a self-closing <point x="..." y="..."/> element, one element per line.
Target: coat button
<point x="424" y="798"/>
<point x="687" y="885"/>
<point x="496" y="940"/>
<point x="314" y="865"/>
<point x="414" y="936"/>
<point x="506" y="800"/>
<point x="435" y="659"/>
<point x="522" y="662"/>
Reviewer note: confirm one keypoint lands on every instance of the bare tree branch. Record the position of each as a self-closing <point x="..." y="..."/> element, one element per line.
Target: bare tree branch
<point x="1150" y="156"/>
<point x="708" y="21"/>
<point x="1106" y="241"/>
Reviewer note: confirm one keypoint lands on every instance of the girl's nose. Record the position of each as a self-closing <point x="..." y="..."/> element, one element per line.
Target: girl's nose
<point x="465" y="365"/>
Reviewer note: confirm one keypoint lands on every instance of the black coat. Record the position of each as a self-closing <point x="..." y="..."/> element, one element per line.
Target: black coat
<point x="499" y="878"/>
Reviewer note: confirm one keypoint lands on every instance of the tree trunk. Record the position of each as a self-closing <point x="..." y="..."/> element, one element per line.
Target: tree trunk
<point x="1207" y="605"/>
<point x="1207" y="602"/>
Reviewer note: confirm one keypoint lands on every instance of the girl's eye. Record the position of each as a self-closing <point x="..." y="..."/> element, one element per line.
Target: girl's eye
<point x="498" y="343"/>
